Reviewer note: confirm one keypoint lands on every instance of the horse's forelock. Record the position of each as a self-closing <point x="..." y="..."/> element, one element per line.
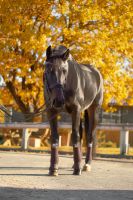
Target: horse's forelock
<point x="58" y="51"/>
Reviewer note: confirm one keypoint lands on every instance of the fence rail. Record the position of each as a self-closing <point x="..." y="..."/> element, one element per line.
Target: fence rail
<point x="124" y="129"/>
<point x="105" y="126"/>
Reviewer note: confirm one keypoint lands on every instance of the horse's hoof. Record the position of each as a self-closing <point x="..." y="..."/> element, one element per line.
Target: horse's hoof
<point x="87" y="168"/>
<point x="77" y="172"/>
<point x="53" y="173"/>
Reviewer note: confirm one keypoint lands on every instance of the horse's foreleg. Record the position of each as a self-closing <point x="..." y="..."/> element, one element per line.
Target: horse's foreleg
<point x="81" y="136"/>
<point x="53" y="170"/>
<point x="76" y="142"/>
<point x="90" y="124"/>
<point x="54" y="160"/>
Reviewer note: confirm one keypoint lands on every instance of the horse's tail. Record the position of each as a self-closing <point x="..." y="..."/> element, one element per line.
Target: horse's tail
<point x="81" y="129"/>
<point x="86" y="122"/>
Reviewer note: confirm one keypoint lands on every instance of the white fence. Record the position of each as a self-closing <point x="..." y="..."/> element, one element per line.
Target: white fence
<point x="28" y="127"/>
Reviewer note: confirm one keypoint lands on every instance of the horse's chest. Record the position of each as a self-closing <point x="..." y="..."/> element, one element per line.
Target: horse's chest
<point x="68" y="108"/>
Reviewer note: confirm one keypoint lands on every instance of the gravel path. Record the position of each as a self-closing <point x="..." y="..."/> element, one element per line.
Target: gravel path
<point x="23" y="176"/>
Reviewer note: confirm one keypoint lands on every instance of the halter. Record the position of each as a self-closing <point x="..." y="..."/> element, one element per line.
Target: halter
<point x="49" y="88"/>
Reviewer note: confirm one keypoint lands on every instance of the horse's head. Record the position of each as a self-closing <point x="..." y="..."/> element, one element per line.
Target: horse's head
<point x="56" y="70"/>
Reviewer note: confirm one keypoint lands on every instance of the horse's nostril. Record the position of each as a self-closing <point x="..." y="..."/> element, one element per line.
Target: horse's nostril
<point x="57" y="103"/>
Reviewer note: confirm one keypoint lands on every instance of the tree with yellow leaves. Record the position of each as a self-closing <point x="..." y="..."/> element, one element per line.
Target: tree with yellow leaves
<point x="97" y="32"/>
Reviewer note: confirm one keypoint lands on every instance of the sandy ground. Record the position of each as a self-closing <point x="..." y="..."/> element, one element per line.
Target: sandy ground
<point x="23" y="176"/>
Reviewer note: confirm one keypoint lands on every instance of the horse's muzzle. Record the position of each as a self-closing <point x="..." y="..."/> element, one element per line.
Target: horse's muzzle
<point x="58" y="103"/>
<point x="59" y="99"/>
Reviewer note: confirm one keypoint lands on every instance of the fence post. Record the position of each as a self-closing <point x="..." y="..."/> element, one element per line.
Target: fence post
<point x="25" y="137"/>
<point x="124" y="141"/>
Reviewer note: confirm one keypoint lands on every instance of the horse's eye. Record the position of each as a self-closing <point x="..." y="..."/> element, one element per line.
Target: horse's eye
<point x="48" y="71"/>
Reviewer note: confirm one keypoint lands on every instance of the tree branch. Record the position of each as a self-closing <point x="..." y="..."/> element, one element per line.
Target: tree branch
<point x="17" y="98"/>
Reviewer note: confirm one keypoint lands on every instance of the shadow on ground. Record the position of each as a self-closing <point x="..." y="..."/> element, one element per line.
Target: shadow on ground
<point x="7" y="193"/>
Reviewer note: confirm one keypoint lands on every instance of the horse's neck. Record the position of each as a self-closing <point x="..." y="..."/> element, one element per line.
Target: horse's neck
<point x="72" y="78"/>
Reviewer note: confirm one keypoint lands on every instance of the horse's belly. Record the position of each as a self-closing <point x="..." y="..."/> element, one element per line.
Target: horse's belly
<point x="86" y="104"/>
<point x="88" y="98"/>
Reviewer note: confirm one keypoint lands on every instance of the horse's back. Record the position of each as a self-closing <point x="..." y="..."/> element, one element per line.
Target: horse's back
<point x="94" y="74"/>
<point x="87" y="83"/>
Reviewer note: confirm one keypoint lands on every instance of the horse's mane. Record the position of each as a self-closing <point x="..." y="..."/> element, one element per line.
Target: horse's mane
<point x="82" y="66"/>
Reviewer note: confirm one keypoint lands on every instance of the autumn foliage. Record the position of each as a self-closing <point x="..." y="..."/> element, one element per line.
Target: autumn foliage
<point x="97" y="32"/>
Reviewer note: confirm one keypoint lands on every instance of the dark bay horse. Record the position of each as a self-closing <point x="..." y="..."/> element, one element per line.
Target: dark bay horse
<point x="74" y="88"/>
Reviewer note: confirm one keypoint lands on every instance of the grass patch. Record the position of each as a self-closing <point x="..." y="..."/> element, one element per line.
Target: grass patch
<point x="69" y="149"/>
<point x="113" y="151"/>
<point x="8" y="147"/>
<point x="108" y="150"/>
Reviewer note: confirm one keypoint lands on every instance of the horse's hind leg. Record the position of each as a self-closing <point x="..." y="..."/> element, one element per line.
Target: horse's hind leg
<point x="90" y="124"/>
<point x="81" y="134"/>
<point x="53" y="170"/>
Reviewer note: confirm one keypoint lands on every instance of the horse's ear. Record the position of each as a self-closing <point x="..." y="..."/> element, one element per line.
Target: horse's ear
<point x="65" y="55"/>
<point x="48" y="52"/>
